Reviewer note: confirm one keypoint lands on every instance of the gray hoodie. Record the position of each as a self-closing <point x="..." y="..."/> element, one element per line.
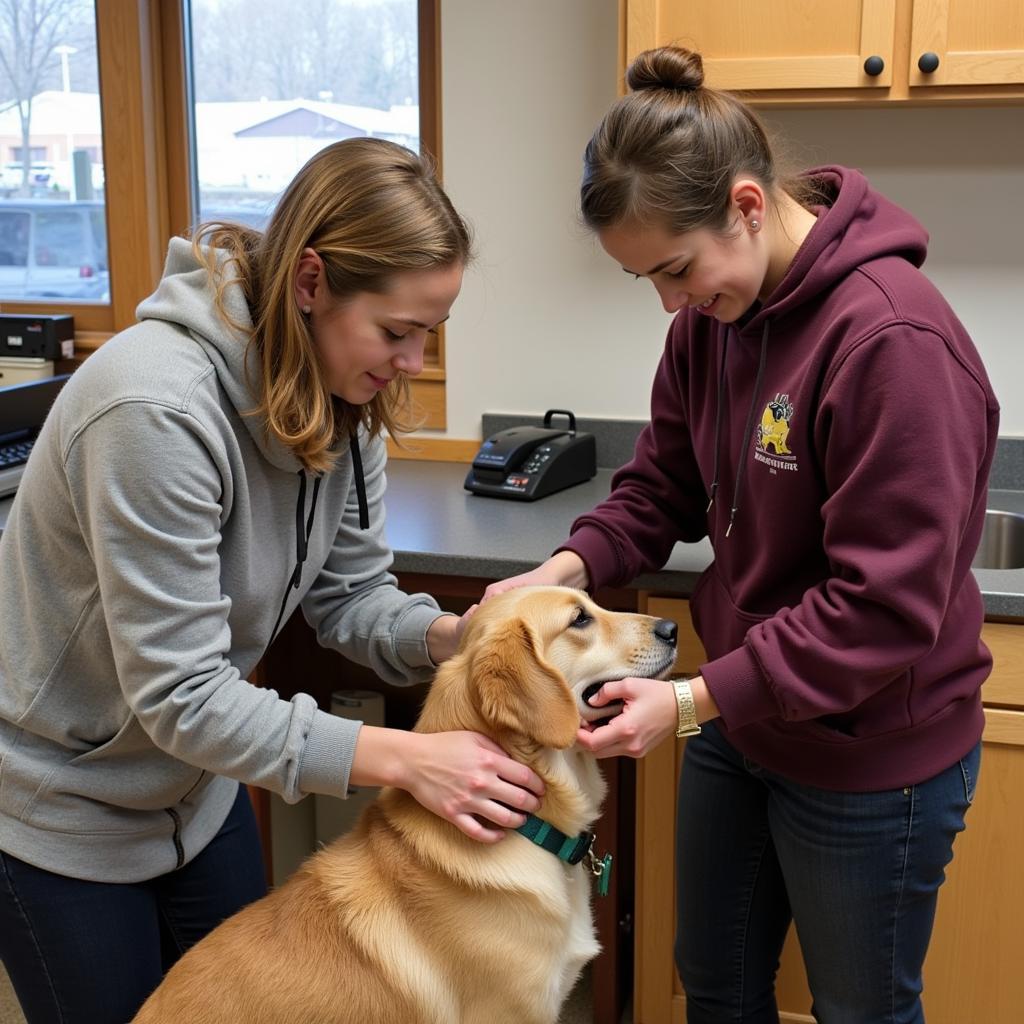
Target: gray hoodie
<point x="142" y="571"/>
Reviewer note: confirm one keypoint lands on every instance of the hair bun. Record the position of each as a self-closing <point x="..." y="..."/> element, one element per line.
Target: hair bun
<point x="668" y="67"/>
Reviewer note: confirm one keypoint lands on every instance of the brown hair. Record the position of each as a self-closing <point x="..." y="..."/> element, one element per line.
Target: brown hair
<point x="370" y="209"/>
<point x="670" y="150"/>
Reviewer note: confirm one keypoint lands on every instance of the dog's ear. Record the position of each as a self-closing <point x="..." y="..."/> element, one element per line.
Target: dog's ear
<point x="517" y="691"/>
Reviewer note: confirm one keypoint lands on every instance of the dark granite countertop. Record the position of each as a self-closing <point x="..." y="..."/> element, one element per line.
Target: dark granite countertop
<point x="436" y="527"/>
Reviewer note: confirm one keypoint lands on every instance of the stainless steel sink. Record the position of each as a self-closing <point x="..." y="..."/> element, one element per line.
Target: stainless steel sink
<point x="1002" y="541"/>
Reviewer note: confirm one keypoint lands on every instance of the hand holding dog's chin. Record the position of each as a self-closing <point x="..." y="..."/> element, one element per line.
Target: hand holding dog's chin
<point x="649" y="714"/>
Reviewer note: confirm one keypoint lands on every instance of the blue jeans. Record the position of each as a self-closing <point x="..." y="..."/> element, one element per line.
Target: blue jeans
<point x="91" y="952"/>
<point x="859" y="874"/>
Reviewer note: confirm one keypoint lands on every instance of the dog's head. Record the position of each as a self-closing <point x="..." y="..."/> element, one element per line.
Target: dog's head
<point x="529" y="659"/>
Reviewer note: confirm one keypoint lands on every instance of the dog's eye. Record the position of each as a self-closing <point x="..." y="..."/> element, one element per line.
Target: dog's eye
<point x="582" y="619"/>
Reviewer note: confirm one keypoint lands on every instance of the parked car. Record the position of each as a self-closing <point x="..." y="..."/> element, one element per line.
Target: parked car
<point x="53" y="249"/>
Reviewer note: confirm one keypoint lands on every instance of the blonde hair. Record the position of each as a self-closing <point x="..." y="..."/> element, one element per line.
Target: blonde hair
<point x="370" y="209"/>
<point x="669" y="151"/>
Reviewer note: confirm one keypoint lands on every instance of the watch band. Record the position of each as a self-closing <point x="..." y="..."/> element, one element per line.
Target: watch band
<point x="686" y="723"/>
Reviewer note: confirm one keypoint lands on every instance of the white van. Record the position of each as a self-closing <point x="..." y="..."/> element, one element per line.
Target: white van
<point x="53" y="249"/>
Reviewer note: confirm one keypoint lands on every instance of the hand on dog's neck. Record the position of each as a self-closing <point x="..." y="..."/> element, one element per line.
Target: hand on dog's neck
<point x="520" y="708"/>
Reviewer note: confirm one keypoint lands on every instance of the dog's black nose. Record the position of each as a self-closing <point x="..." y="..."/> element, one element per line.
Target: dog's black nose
<point x="667" y="631"/>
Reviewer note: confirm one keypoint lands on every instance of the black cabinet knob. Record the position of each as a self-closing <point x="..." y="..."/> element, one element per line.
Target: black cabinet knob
<point x="874" y="66"/>
<point x="928" y="62"/>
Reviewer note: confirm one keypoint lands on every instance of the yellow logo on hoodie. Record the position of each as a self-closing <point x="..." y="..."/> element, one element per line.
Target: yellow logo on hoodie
<point x="772" y="432"/>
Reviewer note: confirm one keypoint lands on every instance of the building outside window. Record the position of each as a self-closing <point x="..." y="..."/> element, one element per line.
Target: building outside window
<point x="269" y="89"/>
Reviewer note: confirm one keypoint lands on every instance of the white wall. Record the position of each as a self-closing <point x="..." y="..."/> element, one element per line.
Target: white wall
<point x="546" y="320"/>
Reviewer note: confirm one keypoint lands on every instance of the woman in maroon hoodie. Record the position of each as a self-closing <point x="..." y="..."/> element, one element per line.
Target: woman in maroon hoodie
<point x="821" y="414"/>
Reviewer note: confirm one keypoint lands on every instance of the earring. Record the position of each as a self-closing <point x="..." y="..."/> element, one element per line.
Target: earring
<point x="306" y="310"/>
<point x="755" y="225"/>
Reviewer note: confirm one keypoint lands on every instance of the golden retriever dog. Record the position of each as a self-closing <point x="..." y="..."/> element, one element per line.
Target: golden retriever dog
<point x="406" y="920"/>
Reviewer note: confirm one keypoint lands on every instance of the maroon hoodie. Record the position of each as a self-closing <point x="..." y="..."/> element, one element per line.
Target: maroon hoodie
<point x="845" y="429"/>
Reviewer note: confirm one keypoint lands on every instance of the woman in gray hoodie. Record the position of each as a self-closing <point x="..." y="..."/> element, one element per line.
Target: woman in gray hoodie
<point x="203" y="474"/>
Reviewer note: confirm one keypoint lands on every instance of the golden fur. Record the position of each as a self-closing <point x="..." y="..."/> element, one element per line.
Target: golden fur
<point x="405" y="920"/>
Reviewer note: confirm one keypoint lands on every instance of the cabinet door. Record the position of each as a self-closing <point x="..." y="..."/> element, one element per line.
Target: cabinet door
<point x="657" y="994"/>
<point x="749" y="44"/>
<point x="969" y="42"/>
<point x="1005" y="687"/>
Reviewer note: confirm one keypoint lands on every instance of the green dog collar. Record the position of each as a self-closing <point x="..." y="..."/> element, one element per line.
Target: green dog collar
<point x="571" y="849"/>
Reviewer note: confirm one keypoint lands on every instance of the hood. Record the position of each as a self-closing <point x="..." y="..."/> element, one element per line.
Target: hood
<point x="855" y="224"/>
<point x="185" y="297"/>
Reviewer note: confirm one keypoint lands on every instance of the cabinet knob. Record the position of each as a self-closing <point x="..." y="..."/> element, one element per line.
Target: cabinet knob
<point x="928" y="62"/>
<point x="874" y="66"/>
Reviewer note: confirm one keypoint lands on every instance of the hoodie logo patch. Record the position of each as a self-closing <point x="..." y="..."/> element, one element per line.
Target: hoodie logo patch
<point x="772" y="432"/>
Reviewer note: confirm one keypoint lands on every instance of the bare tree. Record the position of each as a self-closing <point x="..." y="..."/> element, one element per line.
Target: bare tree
<point x="30" y="31"/>
<point x="358" y="52"/>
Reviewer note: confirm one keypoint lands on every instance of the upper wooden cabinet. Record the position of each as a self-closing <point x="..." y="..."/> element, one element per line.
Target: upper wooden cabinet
<point x="973" y="42"/>
<point x="842" y="51"/>
<point x="749" y="44"/>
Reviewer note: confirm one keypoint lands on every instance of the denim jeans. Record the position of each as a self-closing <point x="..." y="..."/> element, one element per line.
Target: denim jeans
<point x="858" y="873"/>
<point x="91" y="952"/>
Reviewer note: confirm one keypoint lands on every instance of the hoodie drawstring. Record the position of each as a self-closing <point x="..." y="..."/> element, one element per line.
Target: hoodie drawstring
<point x="302" y="534"/>
<point x="357" y="469"/>
<point x="749" y="427"/>
<point x="304" y="530"/>
<point x="718" y="420"/>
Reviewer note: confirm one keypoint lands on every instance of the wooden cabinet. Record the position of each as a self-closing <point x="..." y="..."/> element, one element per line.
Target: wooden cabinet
<point x="842" y="51"/>
<point x="973" y="967"/>
<point x="748" y="44"/>
<point x="976" y="42"/>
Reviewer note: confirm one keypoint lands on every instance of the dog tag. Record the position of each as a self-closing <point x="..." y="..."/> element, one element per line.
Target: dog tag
<point x="601" y="870"/>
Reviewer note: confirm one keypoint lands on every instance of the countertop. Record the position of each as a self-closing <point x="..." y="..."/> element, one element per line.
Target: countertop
<point x="436" y="527"/>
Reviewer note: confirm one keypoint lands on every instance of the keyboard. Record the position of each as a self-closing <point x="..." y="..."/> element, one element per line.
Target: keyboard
<point x="23" y="408"/>
<point x="15" y="454"/>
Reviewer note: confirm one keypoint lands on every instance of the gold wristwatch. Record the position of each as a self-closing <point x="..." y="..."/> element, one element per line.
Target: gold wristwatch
<point x="686" y="723"/>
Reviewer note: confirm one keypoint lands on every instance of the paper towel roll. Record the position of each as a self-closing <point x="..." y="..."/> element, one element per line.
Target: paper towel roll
<point x="333" y="816"/>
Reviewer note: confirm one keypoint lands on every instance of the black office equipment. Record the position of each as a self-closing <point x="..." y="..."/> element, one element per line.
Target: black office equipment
<point x="527" y="463"/>
<point x="23" y="408"/>
<point x="37" y="335"/>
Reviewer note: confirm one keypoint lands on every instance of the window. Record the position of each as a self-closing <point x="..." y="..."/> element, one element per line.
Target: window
<point x="269" y="89"/>
<point x="50" y="125"/>
<point x="147" y="181"/>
